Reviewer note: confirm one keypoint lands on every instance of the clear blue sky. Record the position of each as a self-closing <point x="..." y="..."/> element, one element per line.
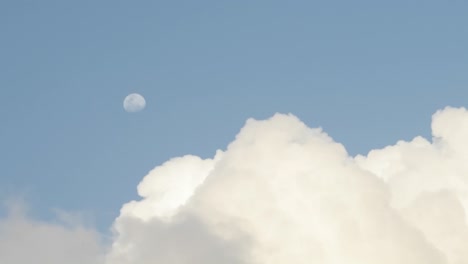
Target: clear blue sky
<point x="369" y="72"/>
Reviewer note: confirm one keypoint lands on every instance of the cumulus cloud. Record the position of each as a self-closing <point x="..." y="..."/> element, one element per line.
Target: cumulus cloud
<point x="285" y="193"/>
<point x="183" y="240"/>
<point x="282" y="192"/>
<point x="429" y="181"/>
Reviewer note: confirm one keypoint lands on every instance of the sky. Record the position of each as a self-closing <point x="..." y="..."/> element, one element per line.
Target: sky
<point x="369" y="73"/>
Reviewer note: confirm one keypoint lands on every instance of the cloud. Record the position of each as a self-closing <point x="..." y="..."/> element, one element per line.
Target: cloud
<point x="282" y="192"/>
<point x="429" y="181"/>
<point x="287" y="193"/>
<point x="24" y="241"/>
<point x="184" y="240"/>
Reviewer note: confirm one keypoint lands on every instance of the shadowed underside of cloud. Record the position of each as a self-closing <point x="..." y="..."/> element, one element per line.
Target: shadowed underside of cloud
<point x="183" y="240"/>
<point x="285" y="193"/>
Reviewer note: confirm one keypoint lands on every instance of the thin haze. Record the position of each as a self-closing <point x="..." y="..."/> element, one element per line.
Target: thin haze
<point x="380" y="183"/>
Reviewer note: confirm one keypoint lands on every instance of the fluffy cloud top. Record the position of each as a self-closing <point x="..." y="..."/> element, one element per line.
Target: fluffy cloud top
<point x="285" y="193"/>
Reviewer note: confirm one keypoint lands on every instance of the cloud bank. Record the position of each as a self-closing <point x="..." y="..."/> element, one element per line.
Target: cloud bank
<point x="25" y="241"/>
<point x="282" y="192"/>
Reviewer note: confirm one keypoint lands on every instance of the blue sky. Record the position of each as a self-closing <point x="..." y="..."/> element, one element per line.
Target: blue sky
<point x="369" y="72"/>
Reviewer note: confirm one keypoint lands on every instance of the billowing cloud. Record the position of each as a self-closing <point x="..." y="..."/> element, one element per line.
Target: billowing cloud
<point x="429" y="181"/>
<point x="282" y="192"/>
<point x="285" y="193"/>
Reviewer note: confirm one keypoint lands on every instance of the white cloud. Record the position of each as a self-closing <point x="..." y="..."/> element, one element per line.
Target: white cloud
<point x="26" y="241"/>
<point x="429" y="181"/>
<point x="285" y="193"/>
<point x="183" y="240"/>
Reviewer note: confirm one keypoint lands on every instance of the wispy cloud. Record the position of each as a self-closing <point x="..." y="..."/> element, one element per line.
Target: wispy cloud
<point x="24" y="240"/>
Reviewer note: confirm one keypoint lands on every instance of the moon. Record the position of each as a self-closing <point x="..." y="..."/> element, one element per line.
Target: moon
<point x="134" y="103"/>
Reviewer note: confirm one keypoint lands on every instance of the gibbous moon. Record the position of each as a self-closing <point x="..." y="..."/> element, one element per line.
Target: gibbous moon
<point x="134" y="103"/>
